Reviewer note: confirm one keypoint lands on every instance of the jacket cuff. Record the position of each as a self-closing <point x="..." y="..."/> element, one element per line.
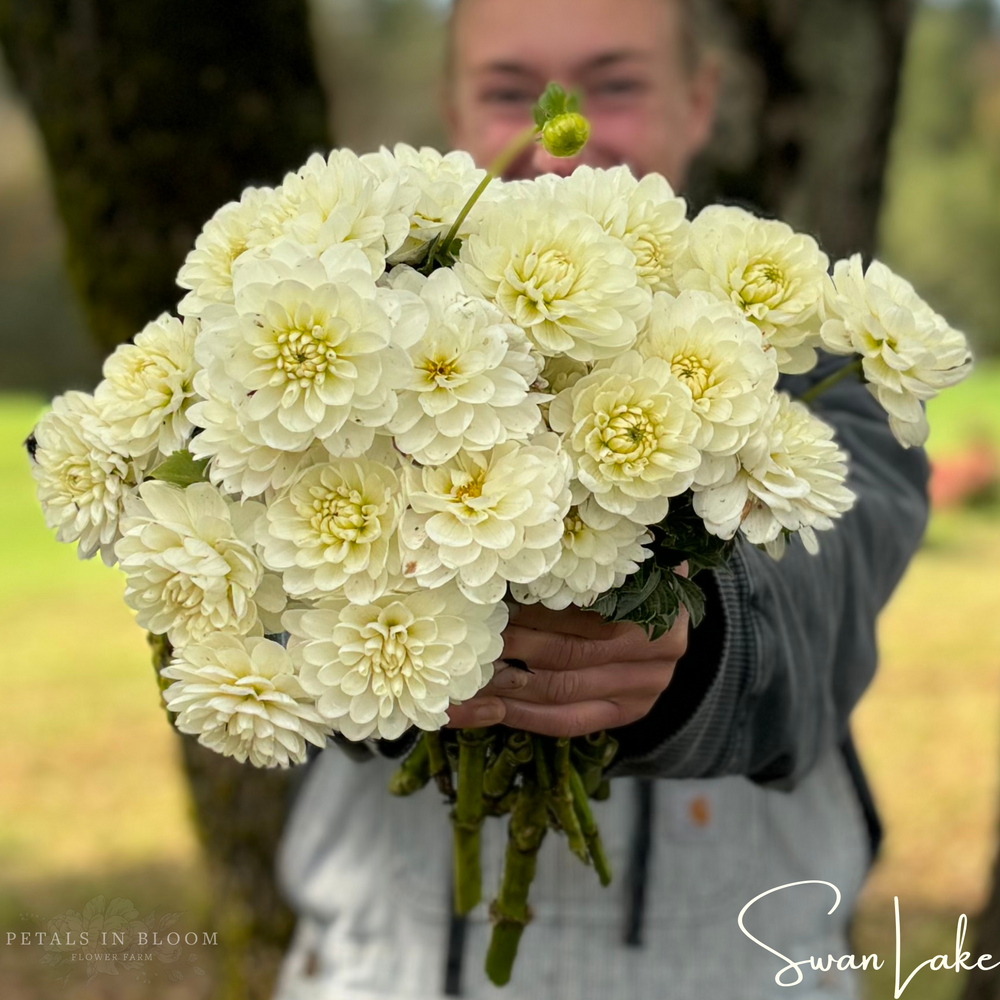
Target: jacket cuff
<point x="690" y="731"/>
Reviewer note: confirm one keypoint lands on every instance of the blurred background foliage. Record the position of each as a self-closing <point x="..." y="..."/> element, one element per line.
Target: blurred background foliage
<point x="89" y="757"/>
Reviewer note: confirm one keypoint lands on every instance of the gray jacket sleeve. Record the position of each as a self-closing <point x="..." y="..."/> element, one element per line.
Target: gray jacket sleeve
<point x="787" y="648"/>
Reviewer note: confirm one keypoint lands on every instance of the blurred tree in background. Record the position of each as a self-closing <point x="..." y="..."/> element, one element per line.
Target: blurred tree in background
<point x="941" y="225"/>
<point x="152" y="116"/>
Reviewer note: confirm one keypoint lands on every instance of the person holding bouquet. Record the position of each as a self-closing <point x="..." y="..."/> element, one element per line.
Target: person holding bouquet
<point x="735" y="772"/>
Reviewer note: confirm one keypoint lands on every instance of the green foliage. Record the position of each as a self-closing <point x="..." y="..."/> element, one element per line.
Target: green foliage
<point x="653" y="596"/>
<point x="181" y="469"/>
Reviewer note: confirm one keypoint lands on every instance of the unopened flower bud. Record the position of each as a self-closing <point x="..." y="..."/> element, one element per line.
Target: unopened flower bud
<point x="566" y="134"/>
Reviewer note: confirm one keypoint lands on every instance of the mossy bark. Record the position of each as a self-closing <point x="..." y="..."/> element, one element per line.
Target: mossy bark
<point x="808" y="106"/>
<point x="152" y="116"/>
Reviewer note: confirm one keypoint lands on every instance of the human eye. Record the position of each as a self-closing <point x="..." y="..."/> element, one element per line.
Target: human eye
<point x="617" y="87"/>
<point x="505" y="96"/>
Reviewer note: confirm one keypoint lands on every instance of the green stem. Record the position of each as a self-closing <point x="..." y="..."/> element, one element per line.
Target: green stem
<point x="510" y="912"/>
<point x="591" y="834"/>
<point x="467" y="818"/>
<point x="504" y="766"/>
<point x="440" y="767"/>
<point x="503" y="160"/>
<point x="855" y="367"/>
<point x="562" y="801"/>
<point x="591" y="754"/>
<point x="541" y="766"/>
<point x="413" y="773"/>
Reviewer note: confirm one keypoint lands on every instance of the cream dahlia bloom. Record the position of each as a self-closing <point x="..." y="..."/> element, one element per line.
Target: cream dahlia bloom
<point x="486" y="518"/>
<point x="333" y="529"/>
<point x="645" y="215"/>
<point x="339" y="200"/>
<point x="630" y="428"/>
<point x="445" y="182"/>
<point x="909" y="352"/>
<point x="377" y="669"/>
<point x="791" y="478"/>
<point x="147" y="388"/>
<point x="471" y="374"/>
<point x="82" y="477"/>
<point x="242" y="698"/>
<point x="308" y="349"/>
<point x="599" y="550"/>
<point x="774" y="275"/>
<point x="240" y="461"/>
<point x="556" y="274"/>
<point x="190" y="565"/>
<point x="719" y="355"/>
<point x="208" y="269"/>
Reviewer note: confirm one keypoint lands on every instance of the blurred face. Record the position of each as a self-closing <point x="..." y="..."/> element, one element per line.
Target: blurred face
<point x="647" y="108"/>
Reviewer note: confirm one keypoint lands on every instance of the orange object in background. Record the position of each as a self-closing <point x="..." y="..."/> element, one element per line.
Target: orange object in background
<point x="964" y="476"/>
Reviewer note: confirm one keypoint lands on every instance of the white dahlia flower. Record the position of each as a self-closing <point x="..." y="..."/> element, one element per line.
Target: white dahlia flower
<point x="909" y="352"/>
<point x="486" y="518"/>
<point x="719" y="355"/>
<point x="147" y="388"/>
<point x="208" y="269"/>
<point x="445" y="182"/>
<point x="630" y="428"/>
<point x="333" y="529"/>
<point x="599" y="550"/>
<point x="308" y="349"/>
<point x="242" y="698"/>
<point x="376" y="669"/>
<point x="774" y="275"/>
<point x="339" y="200"/>
<point x="791" y="478"/>
<point x="470" y="377"/>
<point x="556" y="274"/>
<point x="82" y="476"/>
<point x="190" y="565"/>
<point x="643" y="214"/>
<point x="240" y="461"/>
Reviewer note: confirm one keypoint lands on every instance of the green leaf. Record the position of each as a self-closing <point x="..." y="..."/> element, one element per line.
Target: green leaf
<point x="552" y="103"/>
<point x="181" y="469"/>
<point x="692" y="597"/>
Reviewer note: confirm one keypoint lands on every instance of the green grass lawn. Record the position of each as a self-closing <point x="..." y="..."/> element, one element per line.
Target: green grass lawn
<point x="94" y="800"/>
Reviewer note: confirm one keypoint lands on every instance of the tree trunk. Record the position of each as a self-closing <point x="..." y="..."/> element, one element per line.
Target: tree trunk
<point x="153" y="115"/>
<point x="809" y="100"/>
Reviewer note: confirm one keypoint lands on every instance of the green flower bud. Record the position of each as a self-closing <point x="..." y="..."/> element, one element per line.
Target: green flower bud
<point x="566" y="134"/>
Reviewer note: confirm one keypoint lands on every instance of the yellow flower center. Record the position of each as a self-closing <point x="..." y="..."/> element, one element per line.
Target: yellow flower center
<point x="440" y="370"/>
<point x="548" y="276"/>
<point x="304" y="355"/>
<point x="341" y="515"/>
<point x="627" y="434"/>
<point x="693" y="371"/>
<point x="762" y="281"/>
<point x="573" y="525"/>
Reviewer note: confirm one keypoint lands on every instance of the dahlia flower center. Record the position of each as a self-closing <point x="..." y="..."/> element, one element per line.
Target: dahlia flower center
<point x="693" y="371"/>
<point x="440" y="370"/>
<point x="548" y="275"/>
<point x="79" y="478"/>
<point x="341" y="515"/>
<point x="573" y="526"/>
<point x="648" y="253"/>
<point x="762" y="281"/>
<point x="304" y="355"/>
<point x="180" y="591"/>
<point x="628" y="434"/>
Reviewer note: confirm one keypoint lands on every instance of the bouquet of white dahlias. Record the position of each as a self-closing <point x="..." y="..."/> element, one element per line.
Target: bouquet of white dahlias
<point x="400" y="393"/>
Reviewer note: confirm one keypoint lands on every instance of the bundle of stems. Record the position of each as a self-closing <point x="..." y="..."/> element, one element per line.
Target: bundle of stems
<point x="541" y="782"/>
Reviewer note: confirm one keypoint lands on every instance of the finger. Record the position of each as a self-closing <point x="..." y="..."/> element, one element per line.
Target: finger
<point x="572" y="621"/>
<point x="476" y="713"/>
<point x="560" y="651"/>
<point x="506" y="680"/>
<point x="614" y="682"/>
<point x="567" y="720"/>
